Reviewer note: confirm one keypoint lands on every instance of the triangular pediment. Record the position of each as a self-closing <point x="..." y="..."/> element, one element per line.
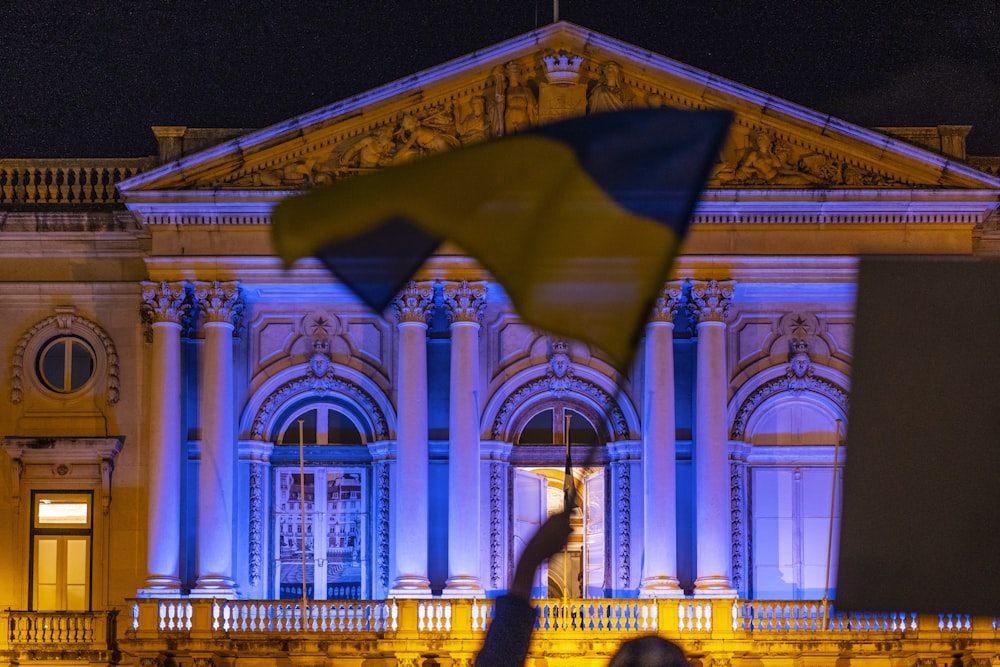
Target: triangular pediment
<point x="551" y="73"/>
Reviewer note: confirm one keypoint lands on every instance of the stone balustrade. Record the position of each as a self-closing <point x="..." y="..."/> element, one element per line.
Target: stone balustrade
<point x="390" y="630"/>
<point x="66" y="182"/>
<point x="453" y="629"/>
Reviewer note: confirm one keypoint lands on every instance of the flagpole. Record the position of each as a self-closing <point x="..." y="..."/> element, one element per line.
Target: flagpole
<point x="829" y="540"/>
<point x="302" y="504"/>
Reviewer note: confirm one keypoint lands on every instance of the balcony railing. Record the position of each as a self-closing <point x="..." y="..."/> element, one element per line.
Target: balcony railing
<point x="455" y="628"/>
<point x="57" y="635"/>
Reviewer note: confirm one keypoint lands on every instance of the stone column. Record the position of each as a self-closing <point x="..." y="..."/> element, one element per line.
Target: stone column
<point x="413" y="306"/>
<point x="659" y="452"/>
<point x="164" y="307"/>
<point x="711" y="301"/>
<point x="222" y="307"/>
<point x="465" y="303"/>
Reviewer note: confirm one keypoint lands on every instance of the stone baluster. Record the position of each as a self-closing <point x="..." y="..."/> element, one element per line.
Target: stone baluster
<point x="659" y="451"/>
<point x="413" y="307"/>
<point x="222" y="306"/>
<point x="164" y="308"/>
<point x="711" y="302"/>
<point x="465" y="303"/>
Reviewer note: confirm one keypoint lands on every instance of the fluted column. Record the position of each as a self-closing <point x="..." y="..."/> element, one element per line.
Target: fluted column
<point x="659" y="452"/>
<point x="164" y="307"/>
<point x="410" y="501"/>
<point x="711" y="301"/>
<point x="222" y="307"/>
<point x="465" y="303"/>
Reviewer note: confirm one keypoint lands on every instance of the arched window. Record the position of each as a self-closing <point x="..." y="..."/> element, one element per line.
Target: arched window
<point x="548" y="427"/>
<point x="322" y="424"/>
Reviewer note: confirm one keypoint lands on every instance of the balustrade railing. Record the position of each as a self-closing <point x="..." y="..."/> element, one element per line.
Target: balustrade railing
<point x="680" y="618"/>
<point x="58" y="630"/>
<point x="58" y="181"/>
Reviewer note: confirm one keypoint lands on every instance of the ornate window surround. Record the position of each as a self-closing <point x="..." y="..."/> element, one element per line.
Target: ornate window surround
<point x="65" y="322"/>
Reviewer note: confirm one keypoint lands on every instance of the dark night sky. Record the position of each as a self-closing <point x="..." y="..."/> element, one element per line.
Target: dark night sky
<point x="88" y="78"/>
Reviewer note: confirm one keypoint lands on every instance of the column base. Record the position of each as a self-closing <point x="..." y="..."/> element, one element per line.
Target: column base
<point x="214" y="586"/>
<point x="714" y="586"/>
<point x="661" y="587"/>
<point x="463" y="586"/>
<point x="160" y="587"/>
<point x="410" y="586"/>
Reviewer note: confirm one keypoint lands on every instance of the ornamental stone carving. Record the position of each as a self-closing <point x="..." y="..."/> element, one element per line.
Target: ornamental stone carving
<point x="544" y="385"/>
<point x="465" y="301"/>
<point x="165" y="302"/>
<point x="414" y="303"/>
<point x="496" y="530"/>
<point x="737" y="497"/>
<point x="756" y="156"/>
<point x="382" y="523"/>
<point x="220" y="302"/>
<point x="65" y="322"/>
<point x="624" y="555"/>
<point x="327" y="384"/>
<point x="610" y="93"/>
<point x="789" y="382"/>
<point x="710" y="300"/>
<point x="669" y="303"/>
<point x="256" y="521"/>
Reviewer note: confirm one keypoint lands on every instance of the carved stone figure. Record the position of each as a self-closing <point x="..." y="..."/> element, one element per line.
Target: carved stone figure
<point x="472" y="121"/>
<point x="420" y="139"/>
<point x="611" y="93"/>
<point x="373" y="150"/>
<point x="764" y="162"/>
<point x="520" y="103"/>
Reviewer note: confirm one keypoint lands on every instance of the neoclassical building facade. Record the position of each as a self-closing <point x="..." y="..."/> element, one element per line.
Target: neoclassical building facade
<point x="214" y="459"/>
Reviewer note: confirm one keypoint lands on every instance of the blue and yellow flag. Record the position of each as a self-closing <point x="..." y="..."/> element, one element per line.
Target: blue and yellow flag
<point x="579" y="221"/>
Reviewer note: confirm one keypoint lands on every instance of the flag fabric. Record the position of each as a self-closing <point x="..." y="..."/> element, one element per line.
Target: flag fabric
<point x="919" y="520"/>
<point x="578" y="221"/>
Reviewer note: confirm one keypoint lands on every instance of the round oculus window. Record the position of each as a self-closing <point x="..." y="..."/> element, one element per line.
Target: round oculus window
<point x="66" y="364"/>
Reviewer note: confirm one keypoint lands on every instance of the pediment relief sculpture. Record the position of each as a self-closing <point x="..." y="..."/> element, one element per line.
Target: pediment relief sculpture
<point x="549" y="86"/>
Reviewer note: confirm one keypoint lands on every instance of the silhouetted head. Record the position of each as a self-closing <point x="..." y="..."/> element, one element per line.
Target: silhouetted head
<point x="649" y="651"/>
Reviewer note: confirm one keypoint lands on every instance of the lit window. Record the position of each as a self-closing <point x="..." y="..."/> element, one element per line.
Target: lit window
<point x="66" y="364"/>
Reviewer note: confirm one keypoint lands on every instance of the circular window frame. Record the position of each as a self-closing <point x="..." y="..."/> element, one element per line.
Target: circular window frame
<point x="26" y="379"/>
<point x="71" y="340"/>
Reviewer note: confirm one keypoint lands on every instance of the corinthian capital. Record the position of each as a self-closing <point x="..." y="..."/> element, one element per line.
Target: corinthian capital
<point x="164" y="302"/>
<point x="668" y="303"/>
<point x="465" y="301"/>
<point x="220" y="301"/>
<point x="413" y="304"/>
<point x="711" y="299"/>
